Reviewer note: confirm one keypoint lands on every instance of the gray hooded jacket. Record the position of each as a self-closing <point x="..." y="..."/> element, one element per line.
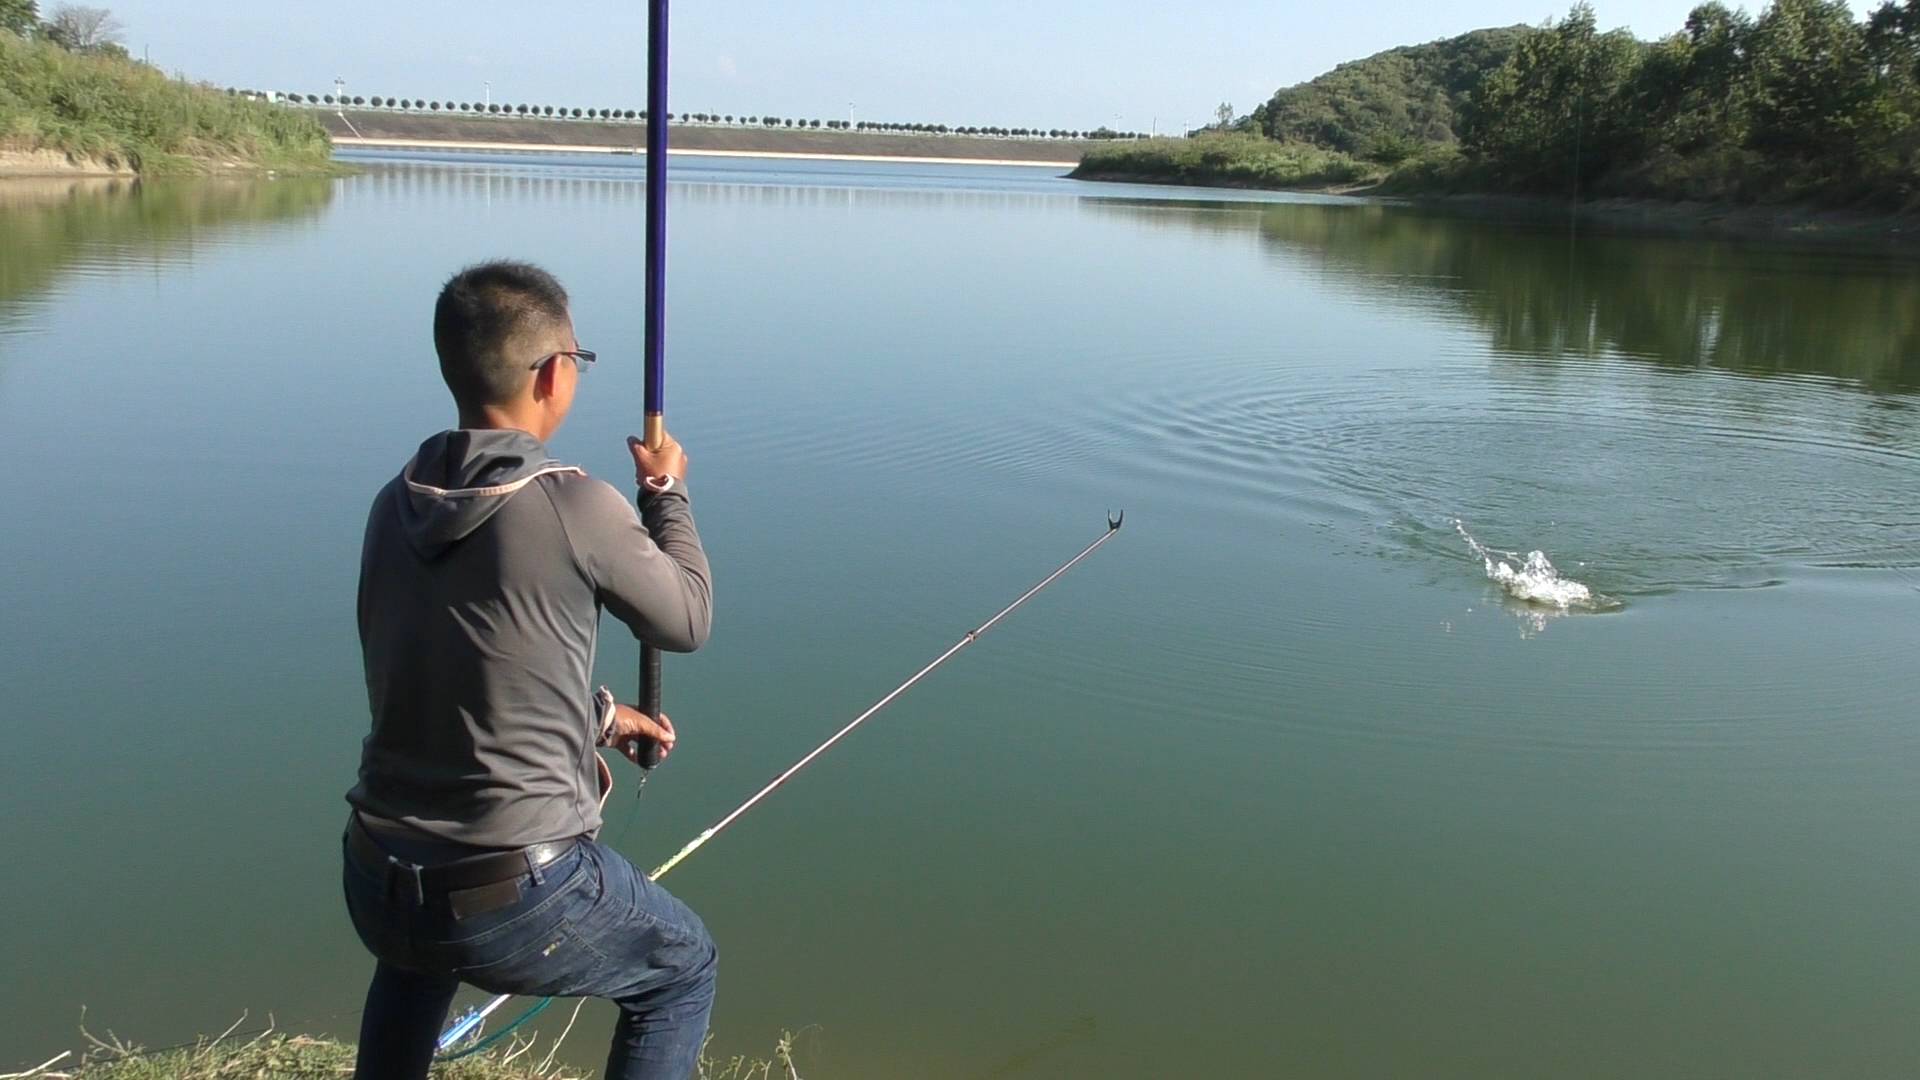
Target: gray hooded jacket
<point x="485" y="566"/>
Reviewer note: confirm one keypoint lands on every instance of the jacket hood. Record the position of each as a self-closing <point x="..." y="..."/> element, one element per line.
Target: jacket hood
<point x="459" y="479"/>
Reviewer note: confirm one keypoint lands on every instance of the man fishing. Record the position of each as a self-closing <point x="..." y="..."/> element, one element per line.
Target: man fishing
<point x="470" y="852"/>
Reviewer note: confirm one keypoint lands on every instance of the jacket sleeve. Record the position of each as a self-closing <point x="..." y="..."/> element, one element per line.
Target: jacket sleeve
<point x="647" y="568"/>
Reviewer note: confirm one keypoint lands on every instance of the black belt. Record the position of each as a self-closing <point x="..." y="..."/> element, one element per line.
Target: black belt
<point x="468" y="873"/>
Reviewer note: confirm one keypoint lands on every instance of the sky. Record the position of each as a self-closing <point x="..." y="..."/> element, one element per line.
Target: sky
<point x="1071" y="63"/>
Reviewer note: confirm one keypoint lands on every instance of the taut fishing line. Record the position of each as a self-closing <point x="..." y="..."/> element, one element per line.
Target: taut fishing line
<point x="470" y="1022"/>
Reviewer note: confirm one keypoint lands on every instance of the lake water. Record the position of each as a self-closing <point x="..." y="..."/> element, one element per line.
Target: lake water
<point x="1282" y="782"/>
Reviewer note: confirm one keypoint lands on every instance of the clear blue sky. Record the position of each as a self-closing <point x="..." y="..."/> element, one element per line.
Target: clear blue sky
<point x="1073" y="63"/>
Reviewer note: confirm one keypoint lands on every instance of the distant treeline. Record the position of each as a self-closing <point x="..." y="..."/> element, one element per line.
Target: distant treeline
<point x="1801" y="103"/>
<point x="565" y="112"/>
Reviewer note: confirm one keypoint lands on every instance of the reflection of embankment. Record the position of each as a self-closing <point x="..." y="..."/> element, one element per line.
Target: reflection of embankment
<point x="50" y="227"/>
<point x="1679" y="302"/>
<point x="431" y="184"/>
<point x="535" y="133"/>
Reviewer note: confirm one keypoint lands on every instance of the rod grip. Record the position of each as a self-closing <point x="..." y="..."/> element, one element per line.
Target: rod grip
<point x="654" y="435"/>
<point x="650" y="701"/>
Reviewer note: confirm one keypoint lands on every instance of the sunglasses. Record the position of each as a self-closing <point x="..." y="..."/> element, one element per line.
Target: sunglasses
<point x="582" y="359"/>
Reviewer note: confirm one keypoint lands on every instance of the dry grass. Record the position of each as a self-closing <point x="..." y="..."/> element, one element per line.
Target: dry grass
<point x="261" y="1053"/>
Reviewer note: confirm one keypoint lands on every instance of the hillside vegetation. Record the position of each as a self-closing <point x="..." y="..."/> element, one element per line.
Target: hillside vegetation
<point x="1799" y="104"/>
<point x="103" y="106"/>
<point x="1389" y="105"/>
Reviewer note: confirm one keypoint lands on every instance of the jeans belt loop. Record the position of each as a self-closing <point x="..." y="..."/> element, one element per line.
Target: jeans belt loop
<point x="539" y="878"/>
<point x="396" y="865"/>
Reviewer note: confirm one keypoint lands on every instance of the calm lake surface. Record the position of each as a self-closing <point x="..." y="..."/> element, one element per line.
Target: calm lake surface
<point x="1281" y="783"/>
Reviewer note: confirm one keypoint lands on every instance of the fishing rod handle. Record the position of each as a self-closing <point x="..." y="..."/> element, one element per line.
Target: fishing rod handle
<point x="650" y="702"/>
<point x="654" y="435"/>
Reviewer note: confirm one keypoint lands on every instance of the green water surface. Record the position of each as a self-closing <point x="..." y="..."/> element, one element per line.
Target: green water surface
<point x="1278" y="784"/>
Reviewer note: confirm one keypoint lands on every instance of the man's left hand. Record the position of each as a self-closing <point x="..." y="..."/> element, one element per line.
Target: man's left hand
<point x="631" y="729"/>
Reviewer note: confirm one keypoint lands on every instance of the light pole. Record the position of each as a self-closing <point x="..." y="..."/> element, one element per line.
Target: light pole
<point x="489" y="93"/>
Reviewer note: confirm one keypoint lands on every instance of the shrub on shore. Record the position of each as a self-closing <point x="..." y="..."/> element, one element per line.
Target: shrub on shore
<point x="1436" y="170"/>
<point x="1225" y="160"/>
<point x="124" y="112"/>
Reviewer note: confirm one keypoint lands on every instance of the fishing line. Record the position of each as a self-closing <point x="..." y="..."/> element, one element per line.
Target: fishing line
<point x="466" y="1026"/>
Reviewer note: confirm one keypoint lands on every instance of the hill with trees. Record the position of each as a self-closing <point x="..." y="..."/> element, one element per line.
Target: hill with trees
<point x="1799" y="104"/>
<point x="1389" y="105"/>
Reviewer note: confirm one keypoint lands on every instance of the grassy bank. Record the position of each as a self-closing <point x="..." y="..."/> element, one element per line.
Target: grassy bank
<point x="1225" y="161"/>
<point x="116" y="112"/>
<point x="282" y="1056"/>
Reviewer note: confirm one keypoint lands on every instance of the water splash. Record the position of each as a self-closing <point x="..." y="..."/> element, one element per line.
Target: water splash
<point x="1532" y="578"/>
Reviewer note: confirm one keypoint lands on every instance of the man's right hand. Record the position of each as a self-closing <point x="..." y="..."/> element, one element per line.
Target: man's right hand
<point x="632" y="728"/>
<point x="669" y="460"/>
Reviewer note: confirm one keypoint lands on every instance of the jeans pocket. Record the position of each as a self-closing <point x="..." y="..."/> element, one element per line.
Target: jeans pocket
<point x="557" y="962"/>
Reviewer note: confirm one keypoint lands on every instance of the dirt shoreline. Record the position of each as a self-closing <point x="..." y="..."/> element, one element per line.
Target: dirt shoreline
<point x="30" y="164"/>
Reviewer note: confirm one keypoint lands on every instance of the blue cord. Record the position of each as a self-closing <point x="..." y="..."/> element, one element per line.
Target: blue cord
<point x="498" y="1035"/>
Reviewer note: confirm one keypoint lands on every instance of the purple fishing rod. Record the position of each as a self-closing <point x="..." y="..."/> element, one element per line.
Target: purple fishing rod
<point x="655" y="430"/>
<point x="653" y="434"/>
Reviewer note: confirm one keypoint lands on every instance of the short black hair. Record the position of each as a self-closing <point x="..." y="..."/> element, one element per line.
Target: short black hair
<point x="483" y="309"/>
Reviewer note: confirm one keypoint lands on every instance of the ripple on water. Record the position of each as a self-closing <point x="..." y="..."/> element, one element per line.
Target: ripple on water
<point x="1639" y="482"/>
<point x="1652" y="481"/>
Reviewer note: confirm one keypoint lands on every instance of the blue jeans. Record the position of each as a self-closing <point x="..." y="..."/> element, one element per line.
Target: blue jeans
<point x="588" y="924"/>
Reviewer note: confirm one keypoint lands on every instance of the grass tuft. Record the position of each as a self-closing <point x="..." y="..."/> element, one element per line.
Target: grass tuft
<point x="253" y="1054"/>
